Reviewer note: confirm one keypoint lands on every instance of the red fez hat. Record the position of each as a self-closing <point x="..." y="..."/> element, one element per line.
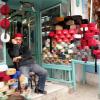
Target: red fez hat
<point x="59" y="40"/>
<point x="92" y="24"/>
<point x="83" y="25"/>
<point x="62" y="36"/>
<point x="65" y="31"/>
<point x="96" y="52"/>
<point x="89" y="35"/>
<point x="83" y="42"/>
<point x="6" y="78"/>
<point x="18" y="35"/>
<point x="51" y="34"/>
<point x="92" y="42"/>
<point x="72" y="31"/>
<point x="5" y="9"/>
<point x="2" y="74"/>
<point x="59" y="32"/>
<point x="85" y="59"/>
<point x="4" y="23"/>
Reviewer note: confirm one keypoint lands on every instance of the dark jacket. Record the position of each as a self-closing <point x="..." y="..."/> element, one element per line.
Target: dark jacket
<point x="15" y="50"/>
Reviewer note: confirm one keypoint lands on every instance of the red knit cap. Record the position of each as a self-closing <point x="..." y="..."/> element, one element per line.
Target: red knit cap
<point x="18" y="35"/>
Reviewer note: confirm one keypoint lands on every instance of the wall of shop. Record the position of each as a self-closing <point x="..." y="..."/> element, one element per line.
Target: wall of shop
<point x="76" y="7"/>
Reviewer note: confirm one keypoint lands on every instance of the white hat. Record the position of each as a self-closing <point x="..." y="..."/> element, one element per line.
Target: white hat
<point x="3" y="67"/>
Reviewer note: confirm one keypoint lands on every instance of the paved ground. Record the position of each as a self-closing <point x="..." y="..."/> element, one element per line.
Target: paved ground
<point x="62" y="92"/>
<point x="84" y="92"/>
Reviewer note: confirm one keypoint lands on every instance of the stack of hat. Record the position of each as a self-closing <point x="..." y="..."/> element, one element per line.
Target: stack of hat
<point x="6" y="80"/>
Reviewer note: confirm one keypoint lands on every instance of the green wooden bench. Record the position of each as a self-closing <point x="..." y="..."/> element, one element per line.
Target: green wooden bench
<point x="61" y="73"/>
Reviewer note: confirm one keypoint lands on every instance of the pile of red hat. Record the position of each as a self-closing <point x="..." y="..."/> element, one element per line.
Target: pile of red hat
<point x="4" y="77"/>
<point x="88" y="32"/>
<point x="63" y="35"/>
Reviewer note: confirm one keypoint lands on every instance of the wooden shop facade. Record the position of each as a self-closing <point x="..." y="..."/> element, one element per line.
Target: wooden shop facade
<point x="59" y="33"/>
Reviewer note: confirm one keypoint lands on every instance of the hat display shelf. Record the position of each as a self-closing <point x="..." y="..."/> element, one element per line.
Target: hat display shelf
<point x="57" y="46"/>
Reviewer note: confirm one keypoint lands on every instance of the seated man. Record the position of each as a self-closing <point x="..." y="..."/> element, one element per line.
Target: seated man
<point x="18" y="52"/>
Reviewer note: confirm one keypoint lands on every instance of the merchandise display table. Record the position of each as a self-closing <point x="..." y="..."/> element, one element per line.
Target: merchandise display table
<point x="84" y="71"/>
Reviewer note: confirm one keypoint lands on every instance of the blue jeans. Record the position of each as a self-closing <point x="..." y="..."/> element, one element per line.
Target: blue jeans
<point x="38" y="70"/>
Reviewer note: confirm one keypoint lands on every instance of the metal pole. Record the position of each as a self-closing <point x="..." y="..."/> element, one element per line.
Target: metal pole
<point x="29" y="33"/>
<point x="91" y="10"/>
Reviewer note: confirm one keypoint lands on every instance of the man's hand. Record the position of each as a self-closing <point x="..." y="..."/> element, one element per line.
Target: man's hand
<point x="16" y="59"/>
<point x="14" y="41"/>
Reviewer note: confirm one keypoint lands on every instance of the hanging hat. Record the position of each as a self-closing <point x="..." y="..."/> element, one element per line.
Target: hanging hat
<point x="96" y="52"/>
<point x="4" y="23"/>
<point x="84" y="27"/>
<point x="18" y="35"/>
<point x="83" y="42"/>
<point x="5" y="9"/>
<point x="92" y="42"/>
<point x="5" y="37"/>
<point x="92" y="26"/>
<point x="89" y="35"/>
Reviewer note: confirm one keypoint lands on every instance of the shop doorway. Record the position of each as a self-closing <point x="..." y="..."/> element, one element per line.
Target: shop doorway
<point x="22" y="21"/>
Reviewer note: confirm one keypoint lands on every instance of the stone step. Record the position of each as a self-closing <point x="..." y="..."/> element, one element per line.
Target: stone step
<point x="54" y="92"/>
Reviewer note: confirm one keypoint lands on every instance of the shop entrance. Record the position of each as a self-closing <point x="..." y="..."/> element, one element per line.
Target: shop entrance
<point x="22" y="21"/>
